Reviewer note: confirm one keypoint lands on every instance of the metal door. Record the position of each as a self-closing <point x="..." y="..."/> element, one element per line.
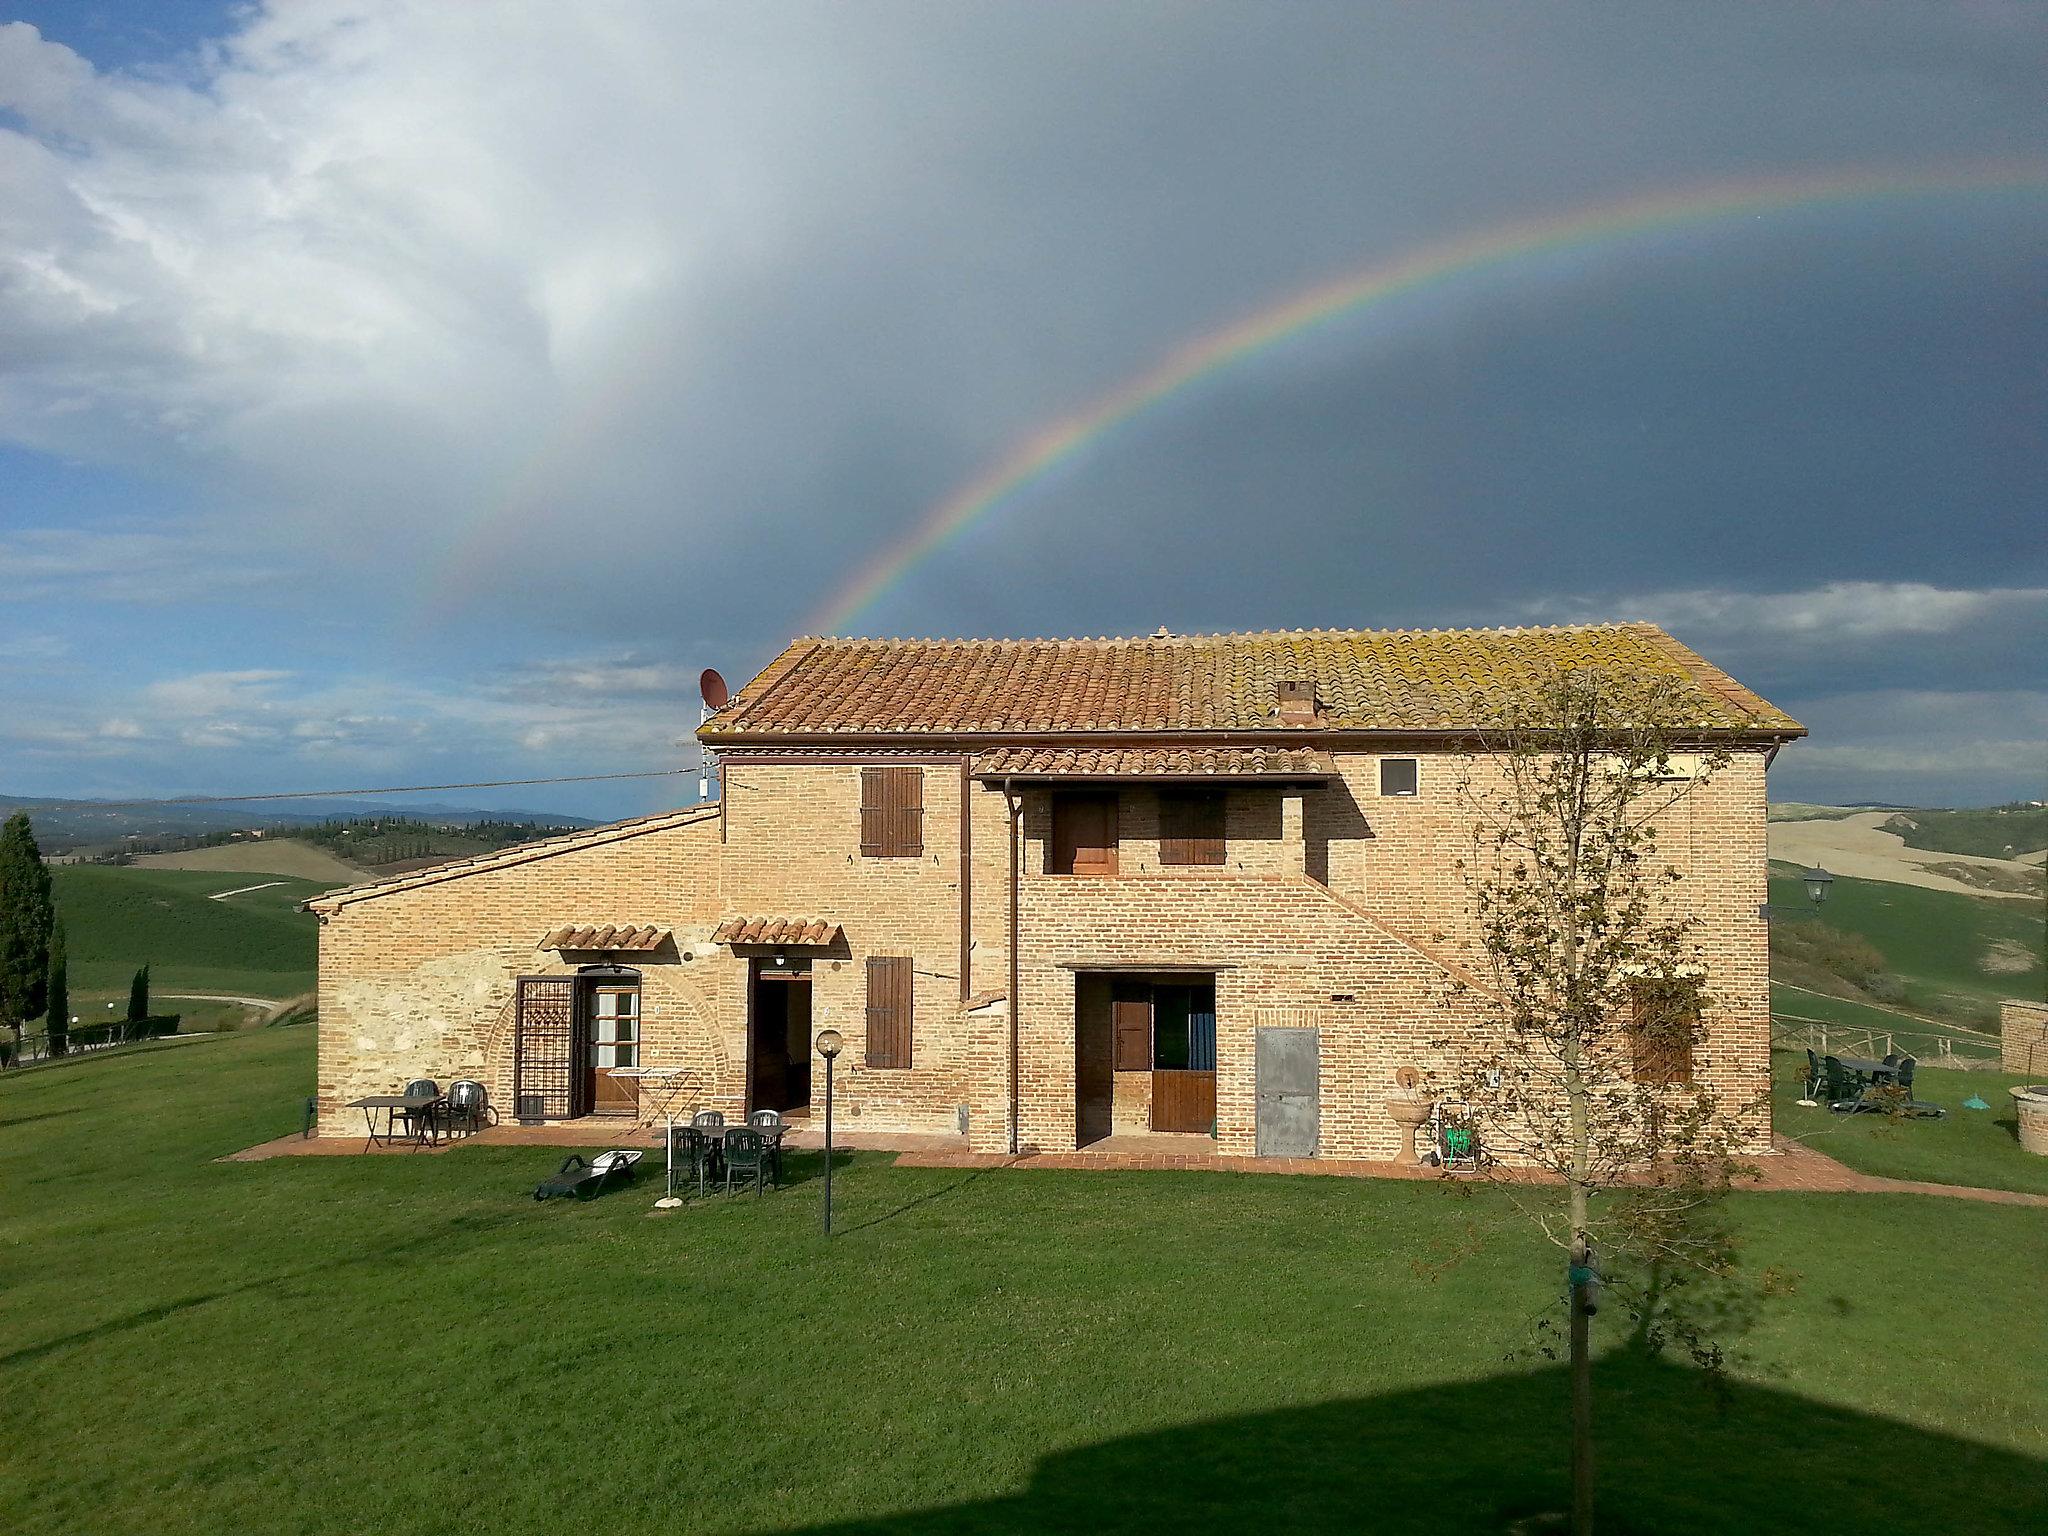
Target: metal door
<point x="548" y="1082"/>
<point x="1289" y="1089"/>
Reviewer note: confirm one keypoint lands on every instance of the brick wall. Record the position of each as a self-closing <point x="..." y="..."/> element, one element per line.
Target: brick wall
<point x="1335" y="908"/>
<point x="417" y="980"/>
<point x="2024" y="1033"/>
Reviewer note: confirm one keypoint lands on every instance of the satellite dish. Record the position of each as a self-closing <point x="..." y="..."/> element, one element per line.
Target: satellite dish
<point x="712" y="686"/>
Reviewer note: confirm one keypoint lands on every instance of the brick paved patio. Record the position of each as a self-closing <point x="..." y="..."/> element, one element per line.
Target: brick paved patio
<point x="1792" y="1167"/>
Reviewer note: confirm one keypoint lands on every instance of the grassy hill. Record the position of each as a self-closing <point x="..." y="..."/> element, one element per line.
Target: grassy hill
<point x="2000" y="832"/>
<point x="117" y="918"/>
<point x="1933" y="952"/>
<point x="270" y="856"/>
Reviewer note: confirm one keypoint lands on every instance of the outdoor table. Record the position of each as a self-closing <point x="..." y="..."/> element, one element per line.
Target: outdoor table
<point x="715" y="1140"/>
<point x="1869" y="1068"/>
<point x="415" y="1107"/>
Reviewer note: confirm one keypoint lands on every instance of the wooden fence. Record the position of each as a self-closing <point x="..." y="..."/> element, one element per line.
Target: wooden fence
<point x="1954" y="1045"/>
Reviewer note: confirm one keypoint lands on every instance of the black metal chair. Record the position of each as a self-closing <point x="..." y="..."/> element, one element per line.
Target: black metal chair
<point x="746" y="1154"/>
<point x="1810" y="1088"/>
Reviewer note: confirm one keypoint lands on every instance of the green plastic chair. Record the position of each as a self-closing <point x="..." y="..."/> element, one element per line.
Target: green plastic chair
<point x="746" y="1154"/>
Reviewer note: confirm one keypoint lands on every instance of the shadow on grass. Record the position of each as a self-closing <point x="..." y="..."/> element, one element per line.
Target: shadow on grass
<point x="927" y="1198"/>
<point x="382" y="1253"/>
<point x="55" y="1114"/>
<point x="1672" y="1457"/>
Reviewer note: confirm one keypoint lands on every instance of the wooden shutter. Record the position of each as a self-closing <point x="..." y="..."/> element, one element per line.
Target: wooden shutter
<point x="1130" y="1020"/>
<point x="1190" y="827"/>
<point x="892" y="813"/>
<point x="1084" y="834"/>
<point x="1663" y="1020"/>
<point x="889" y="996"/>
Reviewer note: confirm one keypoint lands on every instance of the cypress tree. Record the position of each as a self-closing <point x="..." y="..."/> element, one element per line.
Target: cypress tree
<point x="138" y="995"/>
<point x="59" y="996"/>
<point x="26" y="913"/>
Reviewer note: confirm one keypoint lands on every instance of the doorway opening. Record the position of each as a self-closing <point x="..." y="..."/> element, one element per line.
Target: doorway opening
<point x="779" y="1035"/>
<point x="1144" y="1054"/>
<point x="609" y="1038"/>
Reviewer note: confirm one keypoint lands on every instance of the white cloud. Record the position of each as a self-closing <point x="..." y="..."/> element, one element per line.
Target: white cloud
<point x="380" y="258"/>
<point x="280" y="729"/>
<point x="125" y="566"/>
<point x="1840" y="611"/>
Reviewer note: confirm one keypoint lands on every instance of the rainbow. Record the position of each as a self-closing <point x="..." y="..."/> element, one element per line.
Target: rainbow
<point x="1006" y="480"/>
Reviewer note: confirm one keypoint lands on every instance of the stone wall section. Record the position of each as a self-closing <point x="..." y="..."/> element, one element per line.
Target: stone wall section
<point x="2024" y="1036"/>
<point x="417" y="976"/>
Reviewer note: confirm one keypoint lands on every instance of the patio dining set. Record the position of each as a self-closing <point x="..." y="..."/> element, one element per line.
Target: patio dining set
<point x="708" y="1152"/>
<point x="423" y="1114"/>
<point x="1851" y="1085"/>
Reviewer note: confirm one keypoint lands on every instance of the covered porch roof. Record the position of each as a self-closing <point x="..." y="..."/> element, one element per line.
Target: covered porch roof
<point x="1170" y="765"/>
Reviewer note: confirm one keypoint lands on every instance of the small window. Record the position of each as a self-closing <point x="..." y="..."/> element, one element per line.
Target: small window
<point x="892" y="813"/>
<point x="889" y="1001"/>
<point x="1190" y="827"/>
<point x="1663" y="1025"/>
<point x="615" y="1026"/>
<point x="1399" y="776"/>
<point x="1084" y="835"/>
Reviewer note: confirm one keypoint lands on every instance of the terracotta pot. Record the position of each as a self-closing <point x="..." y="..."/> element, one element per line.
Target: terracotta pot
<point x="1410" y="1114"/>
<point x="2032" y="1104"/>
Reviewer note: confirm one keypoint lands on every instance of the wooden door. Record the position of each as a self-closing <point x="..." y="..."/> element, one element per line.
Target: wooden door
<point x="614" y="1042"/>
<point x="1183" y="1100"/>
<point x="1084" y="835"/>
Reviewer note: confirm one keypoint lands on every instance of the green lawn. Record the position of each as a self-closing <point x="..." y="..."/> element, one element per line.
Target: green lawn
<point x="1956" y="954"/>
<point x="353" y="1344"/>
<point x="256" y="944"/>
<point x="1967" y="1146"/>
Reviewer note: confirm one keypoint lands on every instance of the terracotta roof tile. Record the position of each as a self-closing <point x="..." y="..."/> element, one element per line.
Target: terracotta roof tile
<point x="1375" y="680"/>
<point x="776" y="930"/>
<point x="1155" y="763"/>
<point x="605" y="937"/>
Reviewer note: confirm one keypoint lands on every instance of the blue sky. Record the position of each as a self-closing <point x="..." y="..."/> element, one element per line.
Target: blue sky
<point x="386" y="398"/>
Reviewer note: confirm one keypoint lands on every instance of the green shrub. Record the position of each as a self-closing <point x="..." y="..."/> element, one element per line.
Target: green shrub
<point x="1847" y="955"/>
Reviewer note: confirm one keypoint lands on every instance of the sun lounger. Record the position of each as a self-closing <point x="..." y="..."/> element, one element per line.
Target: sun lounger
<point x="585" y="1181"/>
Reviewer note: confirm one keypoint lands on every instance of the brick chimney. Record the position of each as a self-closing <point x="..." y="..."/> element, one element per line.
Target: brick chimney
<point x="1294" y="700"/>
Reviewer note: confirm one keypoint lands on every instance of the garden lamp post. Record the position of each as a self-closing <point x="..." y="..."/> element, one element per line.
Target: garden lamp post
<point x="830" y="1044"/>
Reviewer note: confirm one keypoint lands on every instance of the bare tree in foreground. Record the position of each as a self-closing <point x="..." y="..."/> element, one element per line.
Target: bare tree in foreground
<point x="1594" y="992"/>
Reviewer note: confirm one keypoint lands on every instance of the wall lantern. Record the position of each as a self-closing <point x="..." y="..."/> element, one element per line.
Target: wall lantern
<point x="1818" y="883"/>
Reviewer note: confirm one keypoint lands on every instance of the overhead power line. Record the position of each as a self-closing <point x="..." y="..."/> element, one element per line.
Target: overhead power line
<point x="382" y="789"/>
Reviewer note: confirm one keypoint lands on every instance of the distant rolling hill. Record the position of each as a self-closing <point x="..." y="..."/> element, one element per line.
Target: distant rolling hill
<point x="267" y="856"/>
<point x="1943" y="953"/>
<point x="253" y="944"/>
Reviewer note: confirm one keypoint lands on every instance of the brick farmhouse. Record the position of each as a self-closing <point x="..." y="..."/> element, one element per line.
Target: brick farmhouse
<point x="1047" y="891"/>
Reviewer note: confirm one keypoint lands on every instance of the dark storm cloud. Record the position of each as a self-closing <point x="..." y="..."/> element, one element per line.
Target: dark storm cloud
<point x="662" y="318"/>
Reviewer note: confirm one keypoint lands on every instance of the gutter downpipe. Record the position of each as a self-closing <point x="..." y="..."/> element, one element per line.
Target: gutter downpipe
<point x="1016" y="808"/>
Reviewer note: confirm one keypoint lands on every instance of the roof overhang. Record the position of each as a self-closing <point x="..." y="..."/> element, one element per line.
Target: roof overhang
<point x="1165" y="765"/>
<point x="777" y="932"/>
<point x="605" y="938"/>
